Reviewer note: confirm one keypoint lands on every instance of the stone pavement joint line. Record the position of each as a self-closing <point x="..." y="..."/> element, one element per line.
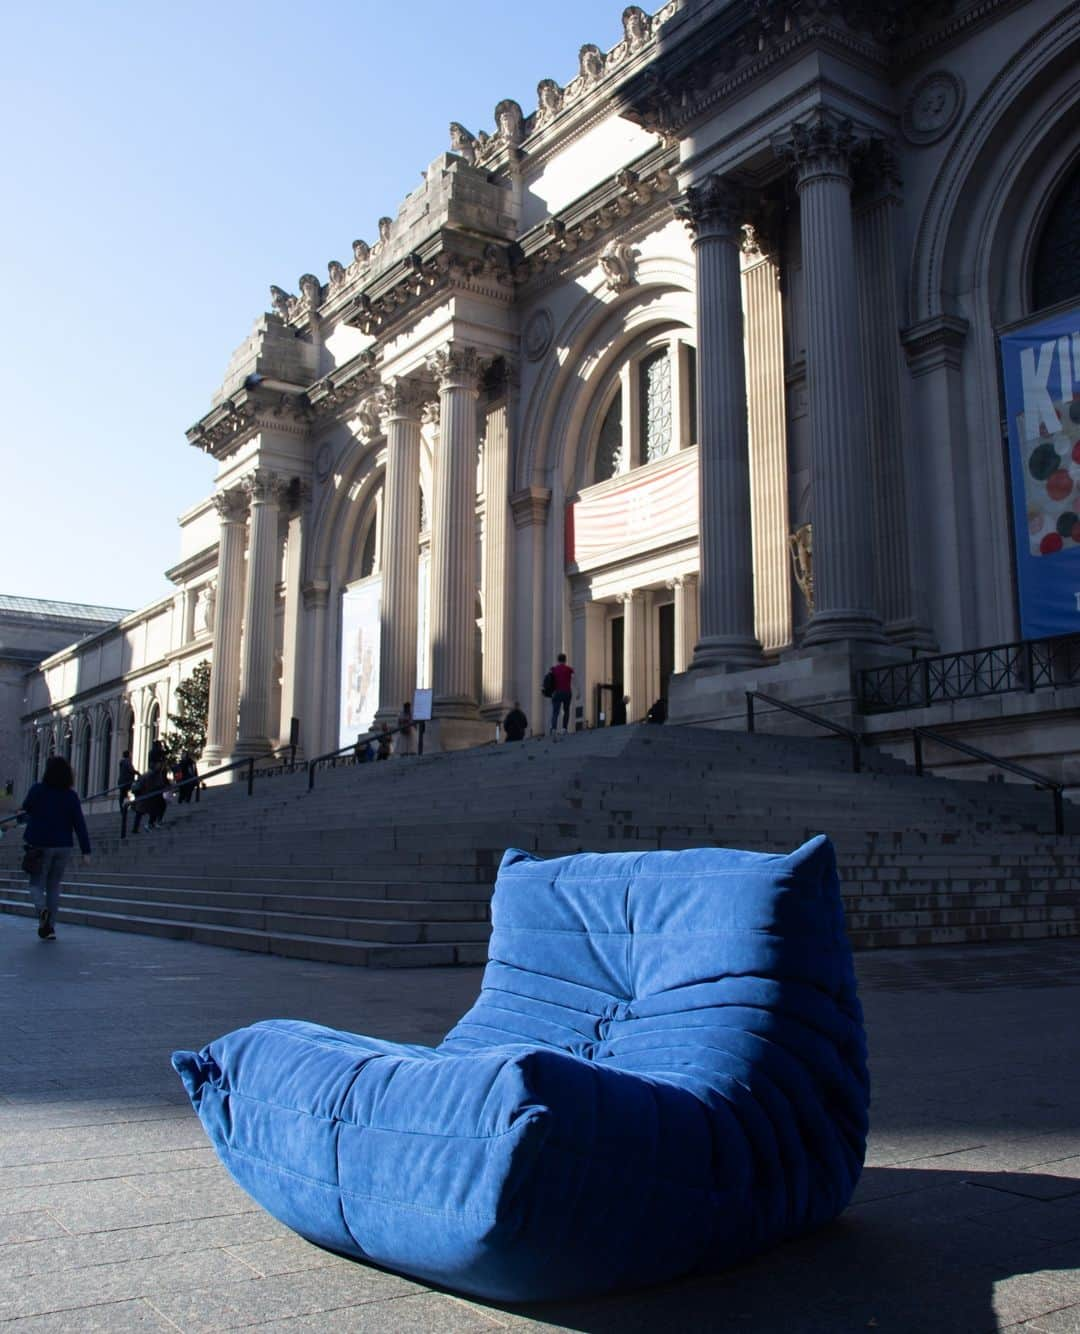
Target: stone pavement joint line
<point x="115" y="1215"/>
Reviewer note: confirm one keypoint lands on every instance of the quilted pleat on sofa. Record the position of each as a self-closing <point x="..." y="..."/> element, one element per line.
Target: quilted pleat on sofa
<point x="665" y="1071"/>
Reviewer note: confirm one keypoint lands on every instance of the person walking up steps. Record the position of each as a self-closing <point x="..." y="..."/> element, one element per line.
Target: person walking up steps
<point x="563" y="678"/>
<point x="53" y="813"/>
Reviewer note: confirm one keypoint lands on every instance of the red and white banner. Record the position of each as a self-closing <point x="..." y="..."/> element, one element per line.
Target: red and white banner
<point x="655" y="506"/>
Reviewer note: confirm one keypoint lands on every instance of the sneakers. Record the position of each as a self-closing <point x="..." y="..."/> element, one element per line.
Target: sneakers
<point x="45" y="926"/>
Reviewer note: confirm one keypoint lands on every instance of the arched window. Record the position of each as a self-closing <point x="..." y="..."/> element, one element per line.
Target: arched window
<point x="652" y="411"/>
<point x="609" y="445"/>
<point x="367" y="558"/>
<point x="67" y="743"/>
<point x="84" y="759"/>
<point x="105" y="755"/>
<point x="153" y="723"/>
<point x="1056" y="272"/>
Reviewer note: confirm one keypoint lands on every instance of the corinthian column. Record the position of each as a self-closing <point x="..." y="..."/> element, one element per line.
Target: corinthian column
<point x="453" y="536"/>
<point x="715" y="213"/>
<point x="265" y="491"/>
<point x="228" y="610"/>
<point x="821" y="148"/>
<point x="401" y="404"/>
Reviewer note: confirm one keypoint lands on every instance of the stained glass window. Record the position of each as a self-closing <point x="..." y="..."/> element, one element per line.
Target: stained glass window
<point x="609" y="446"/>
<point x="655" y="391"/>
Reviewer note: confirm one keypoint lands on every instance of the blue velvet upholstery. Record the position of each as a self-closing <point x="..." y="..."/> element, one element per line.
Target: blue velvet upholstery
<point x="665" y="1071"/>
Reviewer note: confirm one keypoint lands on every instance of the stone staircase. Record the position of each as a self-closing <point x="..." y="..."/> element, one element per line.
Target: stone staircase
<point x="392" y="864"/>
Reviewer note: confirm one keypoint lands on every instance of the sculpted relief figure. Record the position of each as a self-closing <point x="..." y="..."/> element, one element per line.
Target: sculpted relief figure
<point x="461" y="141"/>
<point x="361" y="254"/>
<point x="549" y="100"/>
<point x="311" y="291"/>
<point x="636" y="27"/>
<point x="510" y="122"/>
<point x="617" y="260"/>
<point x="282" y="302"/>
<point x="336" y="272"/>
<point x="590" y="64"/>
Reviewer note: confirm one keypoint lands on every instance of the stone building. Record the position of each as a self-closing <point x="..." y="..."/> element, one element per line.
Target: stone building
<point x="692" y="372"/>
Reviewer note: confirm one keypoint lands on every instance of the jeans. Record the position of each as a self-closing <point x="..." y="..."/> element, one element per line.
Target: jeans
<point x="45" y="886"/>
<point x="560" y="700"/>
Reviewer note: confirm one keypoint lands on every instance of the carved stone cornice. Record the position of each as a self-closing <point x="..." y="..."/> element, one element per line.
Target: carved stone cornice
<point x="575" y="233"/>
<point x="530" y="506"/>
<point x="718" y="208"/>
<point x="335" y="395"/>
<point x="456" y="366"/>
<point x="402" y="397"/>
<point x="876" y="173"/>
<point x="231" y="505"/>
<point x="253" y="408"/>
<point x="935" y="343"/>
<point x="818" y="145"/>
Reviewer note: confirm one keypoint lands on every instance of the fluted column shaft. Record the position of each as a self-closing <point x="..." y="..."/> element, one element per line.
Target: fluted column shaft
<point x="316" y="602"/>
<point x="253" y="736"/>
<point x="634" y="655"/>
<point x="497" y="578"/>
<point x="401" y="403"/>
<point x="228" y="613"/>
<point x="715" y="213"/>
<point x="685" y="588"/>
<point x="453" y="537"/>
<point x="844" y="599"/>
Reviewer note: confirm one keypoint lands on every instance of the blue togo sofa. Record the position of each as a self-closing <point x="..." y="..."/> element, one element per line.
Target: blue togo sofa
<point x="664" y="1072"/>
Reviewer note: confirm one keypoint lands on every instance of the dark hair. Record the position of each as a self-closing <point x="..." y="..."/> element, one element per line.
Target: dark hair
<point x="561" y="657"/>
<point x="58" y="772"/>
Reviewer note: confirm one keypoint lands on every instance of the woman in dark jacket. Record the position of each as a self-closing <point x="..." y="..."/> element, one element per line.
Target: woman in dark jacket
<point x="52" y="814"/>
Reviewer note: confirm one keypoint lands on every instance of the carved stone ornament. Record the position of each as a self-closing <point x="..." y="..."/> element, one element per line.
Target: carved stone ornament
<point x="386" y="226"/>
<point x="549" y="101"/>
<point x="361" y="255"/>
<point x="265" y="487"/>
<point x="336" y="272"/>
<point x="801" y="546"/>
<point x="281" y="301"/>
<point x="455" y="366"/>
<point x="311" y="291"/>
<point x="933" y="107"/>
<point x="231" y="505"/>
<point x="637" y="27"/>
<point x="591" y="64"/>
<point x="203" y="620"/>
<point x="510" y="121"/>
<point x="429" y="414"/>
<point x="820" y="145"/>
<point x="401" y="397"/>
<point x="716" y="208"/>
<point x="324" y="460"/>
<point x="464" y="143"/>
<point x="539" y="331"/>
<point x="618" y="259"/>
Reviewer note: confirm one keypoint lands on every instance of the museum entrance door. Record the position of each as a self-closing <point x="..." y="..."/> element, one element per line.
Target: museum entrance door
<point x="665" y="616"/>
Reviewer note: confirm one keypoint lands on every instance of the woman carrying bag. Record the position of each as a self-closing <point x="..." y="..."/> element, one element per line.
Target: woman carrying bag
<point x="52" y="813"/>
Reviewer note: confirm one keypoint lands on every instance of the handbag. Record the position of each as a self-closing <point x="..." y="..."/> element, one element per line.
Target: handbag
<point x="33" y="859"/>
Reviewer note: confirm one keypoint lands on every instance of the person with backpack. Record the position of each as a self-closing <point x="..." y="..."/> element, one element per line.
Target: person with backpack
<point x="515" y="724"/>
<point x="52" y="813"/>
<point x="559" y="686"/>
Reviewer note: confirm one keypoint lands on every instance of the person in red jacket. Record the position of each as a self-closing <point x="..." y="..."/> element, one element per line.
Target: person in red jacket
<point x="563" y="674"/>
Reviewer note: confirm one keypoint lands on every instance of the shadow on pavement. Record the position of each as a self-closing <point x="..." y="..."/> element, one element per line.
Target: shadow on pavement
<point x="919" y="1250"/>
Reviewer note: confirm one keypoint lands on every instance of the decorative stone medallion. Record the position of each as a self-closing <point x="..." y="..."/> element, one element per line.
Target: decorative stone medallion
<point x="933" y="107"/>
<point x="539" y="331"/>
<point x="324" y="460"/>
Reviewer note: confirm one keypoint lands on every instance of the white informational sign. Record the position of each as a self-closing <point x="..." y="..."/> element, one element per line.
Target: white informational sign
<point x="359" y="659"/>
<point x="421" y="709"/>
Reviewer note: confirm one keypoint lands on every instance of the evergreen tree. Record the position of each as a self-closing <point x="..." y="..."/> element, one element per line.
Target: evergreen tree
<point x="190" y="722"/>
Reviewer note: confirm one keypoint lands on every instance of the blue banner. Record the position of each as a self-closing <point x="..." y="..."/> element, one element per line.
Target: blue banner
<point x="1041" y="367"/>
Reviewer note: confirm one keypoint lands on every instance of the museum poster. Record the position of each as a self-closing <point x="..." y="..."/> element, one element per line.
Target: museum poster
<point x="359" y="659"/>
<point x="1041" y="368"/>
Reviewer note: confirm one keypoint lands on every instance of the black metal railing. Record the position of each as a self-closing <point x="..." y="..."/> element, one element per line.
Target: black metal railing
<point x="1056" y="789"/>
<point x="853" y="738"/>
<point x="350" y="754"/>
<point x="1030" y="664"/>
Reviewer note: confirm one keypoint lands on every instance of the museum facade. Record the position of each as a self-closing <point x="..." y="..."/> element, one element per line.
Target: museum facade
<point x="693" y="373"/>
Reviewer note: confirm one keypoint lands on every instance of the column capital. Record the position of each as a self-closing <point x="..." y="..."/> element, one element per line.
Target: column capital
<point x="316" y="593"/>
<point x="231" y="505"/>
<point x="530" y="506"/>
<point x="265" y="487"/>
<point x="821" y="144"/>
<point x="456" y="366"/>
<point x="717" y="208"/>
<point x="402" y="397"/>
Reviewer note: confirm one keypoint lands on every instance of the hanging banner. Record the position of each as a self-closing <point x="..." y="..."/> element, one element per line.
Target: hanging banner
<point x="660" y="506"/>
<point x="359" y="659"/>
<point x="1041" y="369"/>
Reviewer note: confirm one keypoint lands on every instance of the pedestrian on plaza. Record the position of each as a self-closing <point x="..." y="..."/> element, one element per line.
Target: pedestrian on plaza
<point x="562" y="675"/>
<point x="52" y="814"/>
<point x="187" y="776"/>
<point x="126" y="774"/>
<point x="515" y="724"/>
<point x="406" y="731"/>
<point x="364" y="750"/>
<point x="158" y="754"/>
<point x="619" y="711"/>
<point x="149" y="794"/>
<point x="386" y="741"/>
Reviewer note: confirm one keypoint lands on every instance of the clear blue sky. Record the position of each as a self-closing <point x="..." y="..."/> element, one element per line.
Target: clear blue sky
<point x="162" y="165"/>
